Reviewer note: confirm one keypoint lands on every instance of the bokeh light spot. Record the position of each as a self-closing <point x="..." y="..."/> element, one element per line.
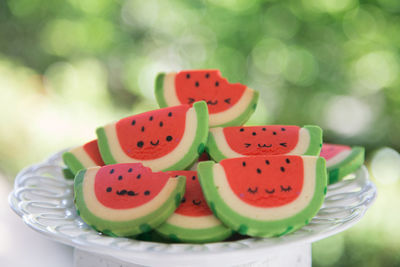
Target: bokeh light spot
<point x="302" y="68"/>
<point x="385" y="166"/>
<point x="375" y="71"/>
<point x="280" y="22"/>
<point x="270" y="56"/>
<point x="347" y="115"/>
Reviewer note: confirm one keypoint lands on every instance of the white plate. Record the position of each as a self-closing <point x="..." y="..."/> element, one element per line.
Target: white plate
<point x="44" y="200"/>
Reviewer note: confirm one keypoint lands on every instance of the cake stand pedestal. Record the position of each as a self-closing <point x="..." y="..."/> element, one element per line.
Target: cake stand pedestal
<point x="296" y="255"/>
<point x="44" y="200"/>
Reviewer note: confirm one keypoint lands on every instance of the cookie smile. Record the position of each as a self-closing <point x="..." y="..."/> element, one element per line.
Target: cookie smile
<point x="156" y="143"/>
<point x="264" y="145"/>
<point x="197" y="203"/>
<point x="126" y="192"/>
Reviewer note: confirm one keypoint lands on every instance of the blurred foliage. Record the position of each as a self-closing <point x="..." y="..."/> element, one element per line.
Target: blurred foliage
<point x="68" y="66"/>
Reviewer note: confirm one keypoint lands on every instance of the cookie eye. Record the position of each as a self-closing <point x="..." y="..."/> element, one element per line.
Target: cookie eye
<point x="169" y="138"/>
<point x="252" y="191"/>
<point x="109" y="189"/>
<point x="286" y="189"/>
<point x="147" y="192"/>
<point x="140" y="144"/>
<point x="270" y="191"/>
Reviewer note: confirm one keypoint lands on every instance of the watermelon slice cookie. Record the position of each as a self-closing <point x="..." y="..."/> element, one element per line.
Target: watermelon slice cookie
<point x="341" y="160"/>
<point x="233" y="142"/>
<point x="126" y="199"/>
<point x="264" y="195"/>
<point x="229" y="104"/>
<point x="164" y="139"/>
<point x="83" y="157"/>
<point x="193" y="221"/>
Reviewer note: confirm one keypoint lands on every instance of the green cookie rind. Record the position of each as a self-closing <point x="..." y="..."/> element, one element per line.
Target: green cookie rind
<point x="68" y="174"/>
<point x="256" y="227"/>
<point x="72" y="162"/>
<point x="187" y="159"/>
<point x="201" y="138"/>
<point x="159" y="90"/>
<point x="130" y="227"/>
<point x="244" y="117"/>
<point x="104" y="148"/>
<point x="354" y="161"/>
<point x="213" y="150"/>
<point x="314" y="148"/>
<point x="211" y="234"/>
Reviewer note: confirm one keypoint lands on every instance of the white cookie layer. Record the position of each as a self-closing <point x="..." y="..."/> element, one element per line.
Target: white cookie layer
<point x="193" y="222"/>
<point x="302" y="144"/>
<point x="270" y="213"/>
<point x="117" y="215"/>
<point x="169" y="90"/>
<point x="155" y="164"/>
<point x="233" y="112"/>
<point x="219" y="118"/>
<point x="338" y="158"/>
<point x="80" y="153"/>
<point x="228" y="152"/>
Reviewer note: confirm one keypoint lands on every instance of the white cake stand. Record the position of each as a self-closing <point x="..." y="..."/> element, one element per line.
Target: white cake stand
<point x="44" y="200"/>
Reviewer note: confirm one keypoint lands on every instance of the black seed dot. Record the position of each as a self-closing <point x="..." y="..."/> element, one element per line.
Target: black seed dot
<point x="254" y="133"/>
<point x="258" y="170"/>
<point x="197" y="84"/>
<point x="169" y="114"/>
<point x="138" y="176"/>
<point x="283" y="129"/>
<point x="282" y="169"/>
<point x="130" y="170"/>
<point x="183" y="200"/>
<point x="112" y="171"/>
<point x="274" y="133"/>
<point x="120" y="177"/>
<point x="142" y="128"/>
<point x="264" y="129"/>
<point x="151" y="118"/>
<point x="133" y="122"/>
<point x="193" y="177"/>
<point x="169" y="138"/>
<point x="244" y="164"/>
<point x="267" y="162"/>
<point x="147" y="192"/>
<point x="140" y="144"/>
<point x="161" y="124"/>
<point x="188" y="76"/>
<point x="241" y="129"/>
<point x="287" y="161"/>
<point x="109" y="189"/>
<point x="216" y="83"/>
<point x="207" y="75"/>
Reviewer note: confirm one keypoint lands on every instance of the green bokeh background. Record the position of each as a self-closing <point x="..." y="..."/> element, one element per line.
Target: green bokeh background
<point x="69" y="66"/>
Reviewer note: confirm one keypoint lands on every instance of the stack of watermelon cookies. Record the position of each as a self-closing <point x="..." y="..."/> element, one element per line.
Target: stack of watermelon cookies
<point x="192" y="172"/>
